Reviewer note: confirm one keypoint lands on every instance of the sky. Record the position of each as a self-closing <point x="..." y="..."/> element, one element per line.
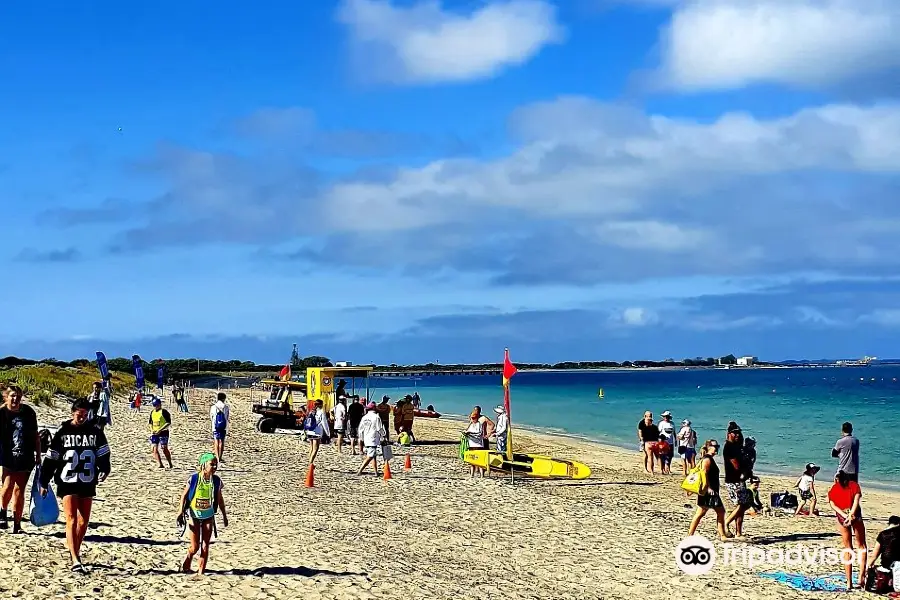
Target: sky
<point x="422" y="180"/>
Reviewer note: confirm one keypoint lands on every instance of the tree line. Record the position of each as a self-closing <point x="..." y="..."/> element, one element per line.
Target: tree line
<point x="173" y="366"/>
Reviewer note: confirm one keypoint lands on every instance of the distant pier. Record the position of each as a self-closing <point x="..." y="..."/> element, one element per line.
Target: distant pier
<point x="436" y="373"/>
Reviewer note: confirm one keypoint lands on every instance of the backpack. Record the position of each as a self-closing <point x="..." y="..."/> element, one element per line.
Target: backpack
<point x="879" y="580"/>
<point x="784" y="500"/>
<point x="221" y="422"/>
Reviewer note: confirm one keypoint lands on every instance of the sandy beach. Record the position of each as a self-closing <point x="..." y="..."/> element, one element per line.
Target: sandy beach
<point x="430" y="533"/>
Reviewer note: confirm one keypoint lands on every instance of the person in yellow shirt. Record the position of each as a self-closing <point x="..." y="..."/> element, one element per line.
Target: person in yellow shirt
<point x="160" y="421"/>
<point x="201" y="500"/>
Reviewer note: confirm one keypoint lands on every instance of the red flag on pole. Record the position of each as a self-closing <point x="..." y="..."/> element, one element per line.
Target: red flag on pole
<point x="285" y="374"/>
<point x="509" y="370"/>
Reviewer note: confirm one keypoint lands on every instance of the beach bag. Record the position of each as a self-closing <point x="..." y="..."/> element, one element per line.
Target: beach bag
<point x="695" y="482"/>
<point x="784" y="500"/>
<point x="44" y="510"/>
<point x="463" y="446"/>
<point x="879" y="581"/>
<point x="221" y="422"/>
<point x="387" y="452"/>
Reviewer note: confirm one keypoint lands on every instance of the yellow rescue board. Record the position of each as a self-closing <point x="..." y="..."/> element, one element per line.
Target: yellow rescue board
<point x="528" y="465"/>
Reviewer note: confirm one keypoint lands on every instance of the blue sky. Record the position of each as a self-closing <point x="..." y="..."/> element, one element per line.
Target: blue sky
<point x="409" y="181"/>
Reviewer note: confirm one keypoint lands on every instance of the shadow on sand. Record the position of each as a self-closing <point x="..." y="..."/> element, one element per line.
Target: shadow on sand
<point x="793" y="537"/>
<point x="126" y="539"/>
<point x="260" y="572"/>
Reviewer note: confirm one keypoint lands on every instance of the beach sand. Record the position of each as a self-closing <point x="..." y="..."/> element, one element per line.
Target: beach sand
<point x="429" y="533"/>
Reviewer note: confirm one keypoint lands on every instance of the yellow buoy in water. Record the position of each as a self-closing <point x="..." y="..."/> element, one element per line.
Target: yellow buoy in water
<point x="600" y="393"/>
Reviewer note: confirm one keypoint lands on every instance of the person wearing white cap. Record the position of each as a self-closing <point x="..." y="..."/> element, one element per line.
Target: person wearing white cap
<point x="667" y="434"/>
<point x="502" y="428"/>
<point x="687" y="446"/>
<point x="807" y="487"/>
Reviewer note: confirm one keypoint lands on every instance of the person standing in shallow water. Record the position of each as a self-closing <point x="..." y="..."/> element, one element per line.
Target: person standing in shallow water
<point x="20" y="452"/>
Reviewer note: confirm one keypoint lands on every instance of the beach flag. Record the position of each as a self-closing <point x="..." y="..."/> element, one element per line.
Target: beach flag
<point x="160" y="376"/>
<point x="509" y="370"/>
<point x="285" y="374"/>
<point x="103" y="366"/>
<point x="138" y="371"/>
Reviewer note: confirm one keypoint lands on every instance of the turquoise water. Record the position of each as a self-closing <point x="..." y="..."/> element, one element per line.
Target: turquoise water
<point x="794" y="414"/>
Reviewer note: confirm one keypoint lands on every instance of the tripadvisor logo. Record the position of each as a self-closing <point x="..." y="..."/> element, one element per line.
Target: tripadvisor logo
<point x="695" y="555"/>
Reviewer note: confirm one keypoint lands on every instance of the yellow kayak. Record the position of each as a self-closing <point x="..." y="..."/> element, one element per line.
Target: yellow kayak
<point x="529" y="465"/>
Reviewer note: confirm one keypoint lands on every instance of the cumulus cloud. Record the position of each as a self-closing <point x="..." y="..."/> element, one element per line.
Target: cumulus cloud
<point x="592" y="193"/>
<point x="426" y="43"/>
<point x="813" y="44"/>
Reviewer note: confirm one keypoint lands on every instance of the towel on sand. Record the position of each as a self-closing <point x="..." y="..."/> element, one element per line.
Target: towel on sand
<point x="827" y="583"/>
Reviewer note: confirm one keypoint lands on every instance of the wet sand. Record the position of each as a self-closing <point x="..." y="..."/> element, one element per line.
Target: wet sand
<point x="430" y="533"/>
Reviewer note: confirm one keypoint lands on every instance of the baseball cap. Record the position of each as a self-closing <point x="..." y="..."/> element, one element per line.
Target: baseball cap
<point x="686" y="422"/>
<point x="733" y="427"/>
<point x="157" y="401"/>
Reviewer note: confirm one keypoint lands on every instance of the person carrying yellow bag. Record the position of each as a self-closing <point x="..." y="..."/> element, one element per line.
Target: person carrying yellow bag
<point x="703" y="480"/>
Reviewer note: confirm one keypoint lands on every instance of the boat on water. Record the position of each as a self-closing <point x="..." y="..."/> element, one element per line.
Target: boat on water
<point x="862" y="362"/>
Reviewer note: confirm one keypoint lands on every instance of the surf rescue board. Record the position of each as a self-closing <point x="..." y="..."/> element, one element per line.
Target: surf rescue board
<point x="529" y="465"/>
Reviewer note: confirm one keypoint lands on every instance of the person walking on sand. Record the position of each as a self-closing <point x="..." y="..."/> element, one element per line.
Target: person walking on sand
<point x="844" y="498"/>
<point x="340" y="422"/>
<point x="807" y="488"/>
<point x="220" y="417"/>
<point x="316" y="429"/>
<point x="201" y="500"/>
<point x="99" y="399"/>
<point x="846" y="450"/>
<point x="20" y="452"/>
<point x="667" y="435"/>
<point x="709" y="497"/>
<point x="687" y="446"/>
<point x="384" y="412"/>
<point x="648" y="435"/>
<point x="77" y="460"/>
<point x="736" y="475"/>
<point x="355" y="413"/>
<point x="371" y="434"/>
<point x="502" y="428"/>
<point x="160" y="423"/>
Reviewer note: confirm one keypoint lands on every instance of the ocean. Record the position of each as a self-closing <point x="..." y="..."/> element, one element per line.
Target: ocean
<point x="795" y="414"/>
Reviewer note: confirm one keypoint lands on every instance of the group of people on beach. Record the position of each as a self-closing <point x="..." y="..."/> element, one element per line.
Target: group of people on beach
<point x="658" y="441"/>
<point x="76" y="457"/>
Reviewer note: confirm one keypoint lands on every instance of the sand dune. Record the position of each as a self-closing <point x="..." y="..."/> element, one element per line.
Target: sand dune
<point x="433" y="532"/>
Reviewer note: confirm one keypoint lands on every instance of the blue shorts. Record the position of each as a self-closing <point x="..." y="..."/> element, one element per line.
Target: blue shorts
<point x="161" y="438"/>
<point x="687" y="452"/>
<point x="220" y="434"/>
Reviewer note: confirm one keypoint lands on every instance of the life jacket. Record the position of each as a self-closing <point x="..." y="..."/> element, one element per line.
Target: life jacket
<point x="199" y="505"/>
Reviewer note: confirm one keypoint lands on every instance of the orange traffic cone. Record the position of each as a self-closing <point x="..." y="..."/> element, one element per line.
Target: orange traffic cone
<point x="387" y="470"/>
<point x="309" y="476"/>
<point x="407" y="466"/>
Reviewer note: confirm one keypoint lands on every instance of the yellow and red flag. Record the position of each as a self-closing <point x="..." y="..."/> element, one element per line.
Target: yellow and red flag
<point x="285" y="374"/>
<point x="509" y="370"/>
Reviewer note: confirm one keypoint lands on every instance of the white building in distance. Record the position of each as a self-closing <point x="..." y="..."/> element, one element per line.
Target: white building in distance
<point x="747" y="361"/>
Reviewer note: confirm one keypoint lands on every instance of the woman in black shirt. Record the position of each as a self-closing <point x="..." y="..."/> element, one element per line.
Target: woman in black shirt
<point x="709" y="497"/>
<point x="20" y="451"/>
<point x="77" y="460"/>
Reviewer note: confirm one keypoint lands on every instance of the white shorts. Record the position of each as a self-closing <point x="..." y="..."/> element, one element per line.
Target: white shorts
<point x="371" y="451"/>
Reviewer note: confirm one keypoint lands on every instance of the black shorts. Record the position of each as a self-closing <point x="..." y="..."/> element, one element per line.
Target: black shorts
<point x="82" y="490"/>
<point x="23" y="468"/>
<point x="709" y="500"/>
<point x="805" y="495"/>
<point x="353" y="431"/>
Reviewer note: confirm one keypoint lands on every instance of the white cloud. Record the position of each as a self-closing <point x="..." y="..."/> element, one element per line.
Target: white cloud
<point x="425" y="43"/>
<point x="727" y="44"/>
<point x="636" y="316"/>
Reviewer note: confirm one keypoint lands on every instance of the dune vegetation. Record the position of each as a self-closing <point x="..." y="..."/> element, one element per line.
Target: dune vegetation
<point x="43" y="383"/>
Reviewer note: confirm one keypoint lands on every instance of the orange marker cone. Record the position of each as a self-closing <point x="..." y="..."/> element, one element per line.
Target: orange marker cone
<point x="387" y="470"/>
<point x="407" y="466"/>
<point x="309" y="476"/>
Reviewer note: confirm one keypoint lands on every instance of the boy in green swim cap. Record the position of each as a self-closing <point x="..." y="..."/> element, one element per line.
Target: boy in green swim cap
<point x="201" y="500"/>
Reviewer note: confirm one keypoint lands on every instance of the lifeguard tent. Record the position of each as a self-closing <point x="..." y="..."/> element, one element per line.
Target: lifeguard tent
<point x="322" y="383"/>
